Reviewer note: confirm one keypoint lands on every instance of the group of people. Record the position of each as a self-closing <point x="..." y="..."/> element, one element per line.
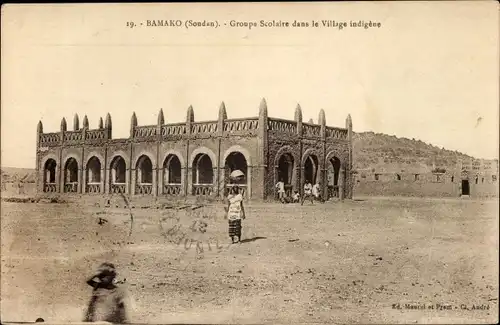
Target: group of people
<point x="311" y="192"/>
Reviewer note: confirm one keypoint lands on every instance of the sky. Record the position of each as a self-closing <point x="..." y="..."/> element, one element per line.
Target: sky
<point x="430" y="72"/>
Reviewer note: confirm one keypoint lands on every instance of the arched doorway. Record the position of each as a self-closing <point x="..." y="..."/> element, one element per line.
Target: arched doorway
<point x="235" y="161"/>
<point x="71" y="176"/>
<point x="117" y="175"/>
<point x="285" y="172"/>
<point x="172" y="175"/>
<point x="333" y="177"/>
<point x="144" y="175"/>
<point x="203" y="175"/>
<point x="311" y="169"/>
<point x="49" y="176"/>
<point x="93" y="175"/>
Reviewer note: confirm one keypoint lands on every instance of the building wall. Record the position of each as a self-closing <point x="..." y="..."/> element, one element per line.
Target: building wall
<point x="156" y="150"/>
<point x="427" y="185"/>
<point x="405" y="188"/>
<point x="302" y="140"/>
<point x="259" y="139"/>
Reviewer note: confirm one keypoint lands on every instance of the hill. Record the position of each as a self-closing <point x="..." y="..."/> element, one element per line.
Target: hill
<point x="390" y="153"/>
<point x="13" y="175"/>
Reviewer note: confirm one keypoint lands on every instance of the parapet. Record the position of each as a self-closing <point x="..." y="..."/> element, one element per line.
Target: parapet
<point x="223" y="126"/>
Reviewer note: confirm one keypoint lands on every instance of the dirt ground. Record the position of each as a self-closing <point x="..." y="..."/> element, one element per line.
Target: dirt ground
<point x="342" y="262"/>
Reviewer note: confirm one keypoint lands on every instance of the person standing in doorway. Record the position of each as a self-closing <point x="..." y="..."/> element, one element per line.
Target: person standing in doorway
<point x="307" y="192"/>
<point x="235" y="212"/>
<point x="280" y="186"/>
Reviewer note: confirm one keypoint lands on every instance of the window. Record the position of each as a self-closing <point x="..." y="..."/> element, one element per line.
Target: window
<point x="452" y="178"/>
<point x="376" y="177"/>
<point x="494" y="178"/>
<point x="417" y="177"/>
<point x="398" y="177"/>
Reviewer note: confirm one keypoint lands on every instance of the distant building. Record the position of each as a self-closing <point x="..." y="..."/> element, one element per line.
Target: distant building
<point x="196" y="158"/>
<point x="475" y="178"/>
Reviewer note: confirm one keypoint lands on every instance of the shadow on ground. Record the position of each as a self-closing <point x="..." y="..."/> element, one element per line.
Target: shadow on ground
<point x="252" y="239"/>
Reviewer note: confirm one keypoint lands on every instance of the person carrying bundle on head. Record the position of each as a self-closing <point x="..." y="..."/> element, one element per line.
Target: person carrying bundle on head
<point x="235" y="212"/>
<point x="234" y="209"/>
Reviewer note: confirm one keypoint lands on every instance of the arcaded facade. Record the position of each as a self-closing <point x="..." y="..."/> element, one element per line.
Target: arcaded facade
<point x="196" y="158"/>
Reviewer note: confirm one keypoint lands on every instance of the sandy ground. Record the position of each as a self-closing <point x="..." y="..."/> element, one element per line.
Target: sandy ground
<point x="349" y="262"/>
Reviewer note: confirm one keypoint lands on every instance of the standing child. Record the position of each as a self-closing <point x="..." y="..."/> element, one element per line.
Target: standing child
<point x="296" y="197"/>
<point x="280" y="186"/>
<point x="307" y="193"/>
<point x="235" y="212"/>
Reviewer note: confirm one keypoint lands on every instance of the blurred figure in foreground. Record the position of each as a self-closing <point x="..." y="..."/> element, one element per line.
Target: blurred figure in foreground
<point x="108" y="300"/>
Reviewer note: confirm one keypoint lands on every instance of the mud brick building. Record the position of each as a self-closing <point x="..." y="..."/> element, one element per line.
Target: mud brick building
<point x="196" y="158"/>
<point x="477" y="178"/>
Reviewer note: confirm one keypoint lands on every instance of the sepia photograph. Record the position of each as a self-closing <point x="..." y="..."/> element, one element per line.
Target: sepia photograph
<point x="250" y="163"/>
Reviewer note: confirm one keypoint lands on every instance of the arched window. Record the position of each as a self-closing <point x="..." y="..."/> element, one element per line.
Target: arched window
<point x="203" y="173"/>
<point x="333" y="168"/>
<point x="50" y="171"/>
<point x="118" y="169"/>
<point x="93" y="176"/>
<point x="144" y="170"/>
<point x="49" y="176"/>
<point x="94" y="170"/>
<point x="117" y="175"/>
<point x="71" y="175"/>
<point x="172" y="170"/>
